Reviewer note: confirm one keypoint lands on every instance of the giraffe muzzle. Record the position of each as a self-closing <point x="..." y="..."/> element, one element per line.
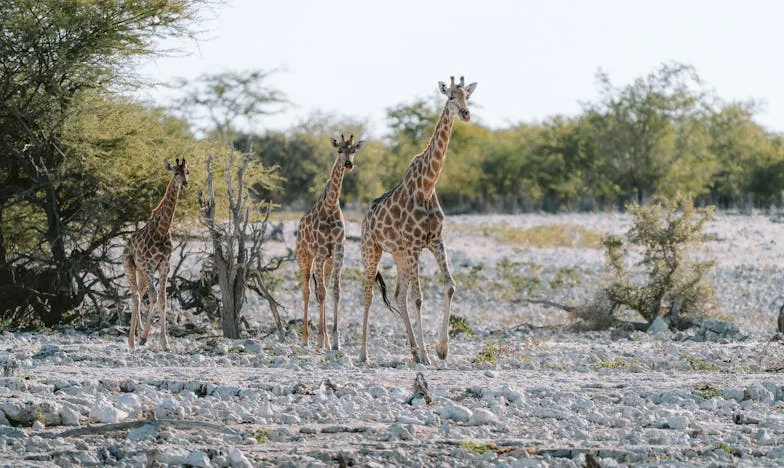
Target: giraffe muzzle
<point x="465" y="114"/>
<point x="349" y="165"/>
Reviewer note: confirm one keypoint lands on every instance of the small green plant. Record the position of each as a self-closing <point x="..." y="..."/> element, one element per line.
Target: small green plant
<point x="475" y="447"/>
<point x="471" y="280"/>
<point x="699" y="364"/>
<point x="666" y="231"/>
<point x="236" y="350"/>
<point x="616" y="363"/>
<point x="726" y="448"/>
<point x="517" y="283"/>
<point x="488" y="354"/>
<point x="564" y="277"/>
<point x="260" y="435"/>
<point x="709" y="391"/>
<point x="458" y="325"/>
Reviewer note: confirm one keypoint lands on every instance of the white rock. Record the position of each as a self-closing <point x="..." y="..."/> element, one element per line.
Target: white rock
<point x="169" y="409"/>
<point x="69" y="417"/>
<point x="38" y="425"/>
<point x="481" y="417"/>
<point x="265" y="409"/>
<point x="455" y="412"/>
<point x="658" y="325"/>
<point x="198" y="458"/>
<point x="238" y="460"/>
<point x="128" y="402"/>
<point x="173" y="456"/>
<point x="103" y="412"/>
<point x="138" y="433"/>
<point x="408" y="420"/>
<point x="3" y="420"/>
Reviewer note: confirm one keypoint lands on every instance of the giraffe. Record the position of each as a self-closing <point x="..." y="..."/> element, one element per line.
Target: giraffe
<point x="321" y="241"/>
<point x="406" y="220"/>
<point x="149" y="251"/>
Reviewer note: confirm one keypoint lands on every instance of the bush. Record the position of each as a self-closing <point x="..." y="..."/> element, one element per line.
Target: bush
<point x="666" y="231"/>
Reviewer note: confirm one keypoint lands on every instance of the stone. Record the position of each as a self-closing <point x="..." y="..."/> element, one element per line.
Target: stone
<point x="139" y="433"/>
<point x="455" y="412"/>
<point x="482" y="417"/>
<point x="659" y="325"/>
<point x="69" y="416"/>
<point x="238" y="460"/>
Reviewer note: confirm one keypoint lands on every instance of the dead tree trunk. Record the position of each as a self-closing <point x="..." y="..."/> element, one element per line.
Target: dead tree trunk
<point x="235" y="243"/>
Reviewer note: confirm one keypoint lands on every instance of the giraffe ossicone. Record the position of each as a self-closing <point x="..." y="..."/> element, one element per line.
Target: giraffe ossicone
<point x="321" y="244"/>
<point x="408" y="219"/>
<point x="148" y="252"/>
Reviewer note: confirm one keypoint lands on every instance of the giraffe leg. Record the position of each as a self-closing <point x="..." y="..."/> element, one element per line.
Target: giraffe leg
<point x="133" y="286"/>
<point x="416" y="296"/>
<point x="337" y="266"/>
<point x="152" y="294"/>
<point x="439" y="252"/>
<point x="305" y="262"/>
<point x="163" y="271"/>
<point x="371" y="256"/>
<point x="321" y="297"/>
<point x="404" y="264"/>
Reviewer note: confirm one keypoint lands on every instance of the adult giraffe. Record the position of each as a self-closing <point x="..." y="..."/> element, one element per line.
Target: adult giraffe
<point x="321" y="243"/>
<point x="409" y="218"/>
<point x="149" y="251"/>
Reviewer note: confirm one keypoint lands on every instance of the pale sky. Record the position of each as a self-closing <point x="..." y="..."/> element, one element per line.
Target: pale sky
<point x="531" y="59"/>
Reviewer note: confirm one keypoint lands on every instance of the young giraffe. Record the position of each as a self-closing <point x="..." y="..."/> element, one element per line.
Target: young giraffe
<point x="409" y="218"/>
<point x="149" y="250"/>
<point x="321" y="241"/>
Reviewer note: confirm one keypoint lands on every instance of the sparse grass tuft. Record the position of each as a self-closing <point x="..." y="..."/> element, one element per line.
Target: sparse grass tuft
<point x="544" y="236"/>
<point x="488" y="354"/>
<point x="699" y="364"/>
<point x="475" y="447"/>
<point x="616" y="363"/>
<point x="709" y="391"/>
<point x="725" y="447"/>
<point x="260" y="435"/>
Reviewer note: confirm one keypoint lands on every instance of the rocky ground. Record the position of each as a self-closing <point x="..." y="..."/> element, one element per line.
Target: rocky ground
<point x="518" y="388"/>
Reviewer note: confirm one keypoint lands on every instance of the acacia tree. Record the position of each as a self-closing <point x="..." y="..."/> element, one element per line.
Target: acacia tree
<point x="52" y="54"/>
<point x="632" y="124"/>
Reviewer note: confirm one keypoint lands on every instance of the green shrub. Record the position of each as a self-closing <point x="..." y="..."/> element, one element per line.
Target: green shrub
<point x="665" y="231"/>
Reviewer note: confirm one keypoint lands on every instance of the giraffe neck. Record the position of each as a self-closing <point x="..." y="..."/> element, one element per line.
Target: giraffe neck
<point x="162" y="215"/>
<point x="435" y="153"/>
<point x="334" y="184"/>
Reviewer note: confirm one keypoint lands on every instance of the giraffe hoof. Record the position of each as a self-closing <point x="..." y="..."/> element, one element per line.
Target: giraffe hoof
<point x="363" y="357"/>
<point x="142" y="341"/>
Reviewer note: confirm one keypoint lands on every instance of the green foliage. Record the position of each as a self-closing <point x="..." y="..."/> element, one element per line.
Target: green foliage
<point x="616" y="363"/>
<point x="723" y="446"/>
<point x="488" y="354"/>
<point x="63" y="64"/>
<point x="699" y="364"/>
<point x="665" y="231"/>
<point x="477" y="448"/>
<point x="458" y="325"/>
<point x="709" y="391"/>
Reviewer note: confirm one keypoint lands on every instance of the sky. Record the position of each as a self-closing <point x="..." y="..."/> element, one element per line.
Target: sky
<point x="531" y="59"/>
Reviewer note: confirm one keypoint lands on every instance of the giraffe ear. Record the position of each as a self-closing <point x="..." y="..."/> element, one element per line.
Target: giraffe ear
<point x="442" y="87"/>
<point x="359" y="145"/>
<point x="334" y="142"/>
<point x="470" y="88"/>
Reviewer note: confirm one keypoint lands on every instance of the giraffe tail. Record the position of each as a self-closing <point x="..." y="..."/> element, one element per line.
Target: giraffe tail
<point x="383" y="286"/>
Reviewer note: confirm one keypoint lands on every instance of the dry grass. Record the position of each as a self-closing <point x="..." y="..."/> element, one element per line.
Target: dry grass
<point x="543" y="236"/>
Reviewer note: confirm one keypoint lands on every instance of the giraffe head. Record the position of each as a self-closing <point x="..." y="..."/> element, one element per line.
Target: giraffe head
<point x="180" y="170"/>
<point x="347" y="149"/>
<point x="457" y="96"/>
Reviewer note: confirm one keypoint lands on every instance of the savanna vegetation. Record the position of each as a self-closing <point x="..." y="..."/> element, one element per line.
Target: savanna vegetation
<point x="81" y="158"/>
